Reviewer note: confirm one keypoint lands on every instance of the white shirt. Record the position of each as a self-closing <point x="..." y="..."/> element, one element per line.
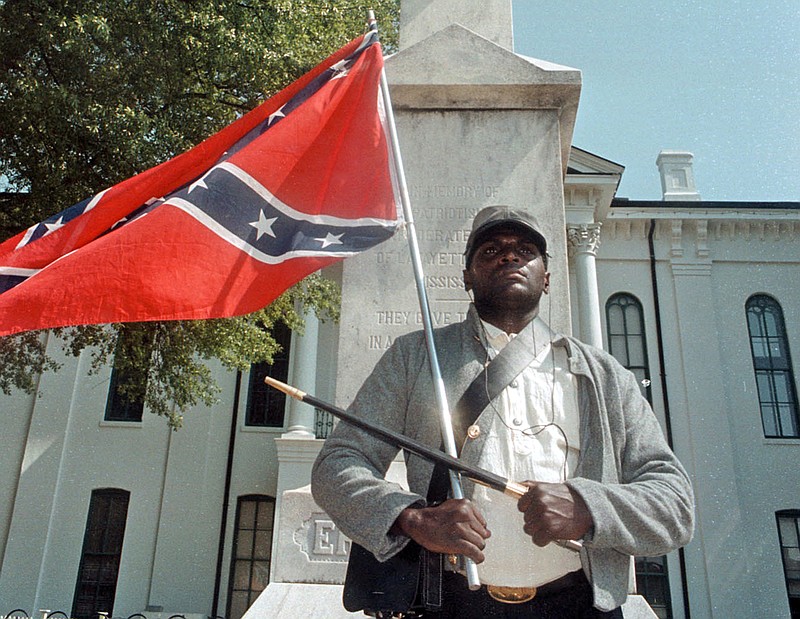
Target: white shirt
<point x="534" y="435"/>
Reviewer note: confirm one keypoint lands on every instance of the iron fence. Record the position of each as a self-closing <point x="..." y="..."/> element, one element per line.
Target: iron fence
<point x="323" y="423"/>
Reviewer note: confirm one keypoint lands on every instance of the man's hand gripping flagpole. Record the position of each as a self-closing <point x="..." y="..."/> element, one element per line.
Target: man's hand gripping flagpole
<point x="445" y="418"/>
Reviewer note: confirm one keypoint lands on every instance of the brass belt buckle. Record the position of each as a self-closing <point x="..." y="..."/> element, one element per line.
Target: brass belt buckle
<point x="511" y="595"/>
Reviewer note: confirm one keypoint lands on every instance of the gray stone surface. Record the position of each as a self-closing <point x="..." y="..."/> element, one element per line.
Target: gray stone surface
<point x="310" y="548"/>
<point x="292" y="601"/>
<point x="459" y="69"/>
<point x="422" y="18"/>
<point x="478" y="125"/>
<point x="636" y="607"/>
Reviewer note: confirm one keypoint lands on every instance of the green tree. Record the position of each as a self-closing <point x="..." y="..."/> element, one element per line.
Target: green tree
<point x="95" y="91"/>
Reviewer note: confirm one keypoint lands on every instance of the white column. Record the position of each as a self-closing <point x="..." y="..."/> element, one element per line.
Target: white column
<point x="304" y="376"/>
<point x="584" y="239"/>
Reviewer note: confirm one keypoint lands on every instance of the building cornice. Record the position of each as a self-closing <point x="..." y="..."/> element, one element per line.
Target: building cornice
<point x="710" y="229"/>
<point x="624" y="204"/>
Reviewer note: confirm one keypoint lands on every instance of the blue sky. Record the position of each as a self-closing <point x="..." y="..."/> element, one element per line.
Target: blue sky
<point x="719" y="79"/>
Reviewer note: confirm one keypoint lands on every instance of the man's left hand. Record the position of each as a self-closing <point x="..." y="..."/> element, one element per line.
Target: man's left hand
<point x="553" y="512"/>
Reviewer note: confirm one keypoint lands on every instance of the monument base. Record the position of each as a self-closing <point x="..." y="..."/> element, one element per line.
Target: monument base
<point x="311" y="555"/>
<point x="292" y="600"/>
<point x="637" y="608"/>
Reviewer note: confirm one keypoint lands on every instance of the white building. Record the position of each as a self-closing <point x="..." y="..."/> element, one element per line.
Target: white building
<point x="698" y="298"/>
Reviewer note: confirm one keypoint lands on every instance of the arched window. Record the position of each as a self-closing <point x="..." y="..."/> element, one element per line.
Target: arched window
<point x="627" y="342"/>
<point x="252" y="552"/>
<point x="772" y="364"/>
<point x="789" y="534"/>
<point x="626" y="337"/>
<point x="96" y="586"/>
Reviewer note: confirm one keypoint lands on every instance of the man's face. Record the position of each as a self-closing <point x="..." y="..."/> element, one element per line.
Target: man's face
<point x="507" y="272"/>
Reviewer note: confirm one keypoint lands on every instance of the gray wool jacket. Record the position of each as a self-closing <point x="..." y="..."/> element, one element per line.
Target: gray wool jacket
<point x="637" y="492"/>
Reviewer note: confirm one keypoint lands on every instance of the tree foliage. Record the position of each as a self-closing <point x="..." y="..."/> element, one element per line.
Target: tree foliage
<point x="95" y="91"/>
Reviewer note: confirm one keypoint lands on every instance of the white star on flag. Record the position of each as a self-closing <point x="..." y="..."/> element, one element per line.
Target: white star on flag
<point x="331" y="239"/>
<point x="276" y="114"/>
<point x="339" y="69"/>
<point x="263" y="225"/>
<point x="201" y="182"/>
<point x="58" y="223"/>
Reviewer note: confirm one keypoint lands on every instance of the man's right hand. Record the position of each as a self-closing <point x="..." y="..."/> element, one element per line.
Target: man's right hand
<point x="452" y="527"/>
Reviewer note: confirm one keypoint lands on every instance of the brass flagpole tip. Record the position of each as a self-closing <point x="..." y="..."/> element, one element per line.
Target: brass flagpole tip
<point x="287" y="389"/>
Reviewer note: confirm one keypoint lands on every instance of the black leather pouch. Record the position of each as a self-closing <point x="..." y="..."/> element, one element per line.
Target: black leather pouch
<point x="387" y="587"/>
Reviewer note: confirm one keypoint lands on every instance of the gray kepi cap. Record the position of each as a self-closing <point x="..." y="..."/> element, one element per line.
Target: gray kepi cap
<point x="493" y="216"/>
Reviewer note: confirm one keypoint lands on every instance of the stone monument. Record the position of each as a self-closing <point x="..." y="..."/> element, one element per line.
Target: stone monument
<point x="478" y="125"/>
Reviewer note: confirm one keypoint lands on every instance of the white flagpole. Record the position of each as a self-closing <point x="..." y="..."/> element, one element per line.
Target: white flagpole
<point x="445" y="418"/>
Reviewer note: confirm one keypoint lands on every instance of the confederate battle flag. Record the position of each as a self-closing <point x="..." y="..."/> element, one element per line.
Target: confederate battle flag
<point x="300" y="182"/>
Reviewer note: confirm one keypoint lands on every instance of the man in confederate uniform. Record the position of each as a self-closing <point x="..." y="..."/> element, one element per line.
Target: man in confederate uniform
<point x="568" y="418"/>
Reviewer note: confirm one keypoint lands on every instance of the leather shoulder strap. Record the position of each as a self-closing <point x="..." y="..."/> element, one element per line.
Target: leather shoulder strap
<point x="505" y="367"/>
<point x="498" y="373"/>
